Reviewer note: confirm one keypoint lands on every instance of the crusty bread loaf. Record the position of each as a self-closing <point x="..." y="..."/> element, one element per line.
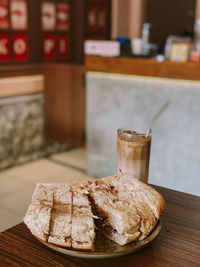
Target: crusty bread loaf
<point x="124" y="209"/>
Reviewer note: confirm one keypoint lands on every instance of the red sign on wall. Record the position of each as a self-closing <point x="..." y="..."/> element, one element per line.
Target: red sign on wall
<point x="63" y="16"/>
<point x="63" y="46"/>
<point x="48" y="16"/>
<point x="18" y="14"/>
<point x="92" y="18"/>
<point x="4" y="21"/>
<point x="20" y="47"/>
<point x="49" y="46"/>
<point x="4" y="47"/>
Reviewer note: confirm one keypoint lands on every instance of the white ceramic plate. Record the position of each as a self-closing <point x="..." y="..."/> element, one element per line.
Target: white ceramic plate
<point x="105" y="248"/>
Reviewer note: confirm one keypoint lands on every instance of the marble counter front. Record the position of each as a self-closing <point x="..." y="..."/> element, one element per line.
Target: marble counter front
<point x="116" y="100"/>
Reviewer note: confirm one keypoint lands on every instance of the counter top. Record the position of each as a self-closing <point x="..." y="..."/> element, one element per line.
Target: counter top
<point x="176" y="245"/>
<point x="144" y="67"/>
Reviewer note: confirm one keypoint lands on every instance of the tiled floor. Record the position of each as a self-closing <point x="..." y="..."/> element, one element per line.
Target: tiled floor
<point x="17" y="183"/>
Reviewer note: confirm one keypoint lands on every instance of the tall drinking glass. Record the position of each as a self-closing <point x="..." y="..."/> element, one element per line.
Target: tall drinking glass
<point x="133" y="153"/>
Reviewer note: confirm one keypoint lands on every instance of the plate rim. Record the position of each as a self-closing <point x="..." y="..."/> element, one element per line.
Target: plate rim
<point x="89" y="254"/>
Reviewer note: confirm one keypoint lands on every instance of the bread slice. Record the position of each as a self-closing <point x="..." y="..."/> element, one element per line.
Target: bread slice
<point x="43" y="194"/>
<point x="83" y="228"/>
<point x="61" y="217"/>
<point x="38" y="215"/>
<point x="147" y="218"/>
<point x="37" y="220"/>
<point x="62" y="194"/>
<point x="118" y="219"/>
<point x="60" y="226"/>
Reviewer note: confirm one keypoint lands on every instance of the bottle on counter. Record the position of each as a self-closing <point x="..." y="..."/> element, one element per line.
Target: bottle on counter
<point x="197" y="34"/>
<point x="145" y="38"/>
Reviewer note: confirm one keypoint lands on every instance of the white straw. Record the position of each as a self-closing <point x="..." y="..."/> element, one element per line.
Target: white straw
<point x="160" y="111"/>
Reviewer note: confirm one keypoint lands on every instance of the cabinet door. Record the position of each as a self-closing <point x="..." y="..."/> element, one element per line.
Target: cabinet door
<point x="64" y="103"/>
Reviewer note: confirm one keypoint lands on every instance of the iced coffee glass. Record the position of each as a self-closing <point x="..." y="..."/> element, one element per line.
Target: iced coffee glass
<point x="133" y="153"/>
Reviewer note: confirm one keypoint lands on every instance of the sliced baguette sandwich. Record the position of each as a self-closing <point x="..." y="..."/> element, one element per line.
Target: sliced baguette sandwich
<point x="121" y="207"/>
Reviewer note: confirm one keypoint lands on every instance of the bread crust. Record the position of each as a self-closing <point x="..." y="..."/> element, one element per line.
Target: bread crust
<point x="143" y="191"/>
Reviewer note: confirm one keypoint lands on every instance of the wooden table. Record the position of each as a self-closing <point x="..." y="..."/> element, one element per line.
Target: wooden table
<point x="178" y="243"/>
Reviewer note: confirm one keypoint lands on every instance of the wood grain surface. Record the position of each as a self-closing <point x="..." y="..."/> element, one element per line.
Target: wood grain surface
<point x="178" y="243"/>
<point x="64" y="103"/>
<point x="144" y="67"/>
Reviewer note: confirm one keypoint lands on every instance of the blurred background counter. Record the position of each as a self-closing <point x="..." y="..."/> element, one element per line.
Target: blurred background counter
<point x="144" y="67"/>
<point x="126" y="92"/>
